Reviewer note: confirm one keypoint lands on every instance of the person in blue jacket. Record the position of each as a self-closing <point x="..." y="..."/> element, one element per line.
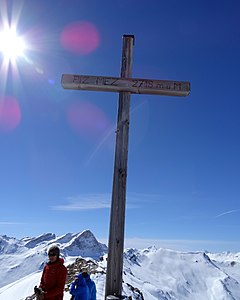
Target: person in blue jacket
<point x="90" y="283"/>
<point x="79" y="288"/>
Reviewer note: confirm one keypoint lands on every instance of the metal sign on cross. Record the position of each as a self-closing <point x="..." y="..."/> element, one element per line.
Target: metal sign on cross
<point x="125" y="86"/>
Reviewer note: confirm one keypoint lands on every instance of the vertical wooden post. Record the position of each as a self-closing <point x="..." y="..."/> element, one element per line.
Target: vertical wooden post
<point x="117" y="218"/>
<point x="113" y="289"/>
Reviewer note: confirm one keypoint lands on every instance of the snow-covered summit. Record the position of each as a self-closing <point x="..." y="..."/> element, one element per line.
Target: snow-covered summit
<point x="149" y="274"/>
<point x="86" y="244"/>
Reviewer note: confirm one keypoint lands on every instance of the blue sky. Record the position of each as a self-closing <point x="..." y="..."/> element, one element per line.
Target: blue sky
<point x="183" y="164"/>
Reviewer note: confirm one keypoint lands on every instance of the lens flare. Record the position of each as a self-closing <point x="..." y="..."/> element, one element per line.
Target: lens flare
<point x="10" y="114"/>
<point x="80" y="37"/>
<point x="87" y="119"/>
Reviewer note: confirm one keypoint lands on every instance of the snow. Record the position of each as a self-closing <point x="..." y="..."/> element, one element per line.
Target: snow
<point x="157" y="274"/>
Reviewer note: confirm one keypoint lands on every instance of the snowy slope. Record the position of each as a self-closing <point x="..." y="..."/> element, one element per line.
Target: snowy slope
<point x="167" y="274"/>
<point x="150" y="274"/>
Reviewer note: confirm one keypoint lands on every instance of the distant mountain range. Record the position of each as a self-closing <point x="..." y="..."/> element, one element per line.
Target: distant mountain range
<point x="150" y="274"/>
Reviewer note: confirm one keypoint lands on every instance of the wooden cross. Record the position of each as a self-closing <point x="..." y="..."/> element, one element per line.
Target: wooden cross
<point x="125" y="86"/>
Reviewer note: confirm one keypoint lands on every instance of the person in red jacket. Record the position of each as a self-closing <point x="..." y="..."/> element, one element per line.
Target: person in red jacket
<point x="53" y="277"/>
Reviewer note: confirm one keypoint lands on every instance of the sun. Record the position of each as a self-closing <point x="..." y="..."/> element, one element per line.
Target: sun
<point x="12" y="46"/>
<point x="14" y="43"/>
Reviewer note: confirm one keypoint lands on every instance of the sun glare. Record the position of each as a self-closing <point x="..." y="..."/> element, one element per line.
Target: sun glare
<point x="11" y="45"/>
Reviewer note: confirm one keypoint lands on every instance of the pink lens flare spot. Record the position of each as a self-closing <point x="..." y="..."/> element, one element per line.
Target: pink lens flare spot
<point x="10" y="114"/>
<point x="80" y="37"/>
<point x="87" y="119"/>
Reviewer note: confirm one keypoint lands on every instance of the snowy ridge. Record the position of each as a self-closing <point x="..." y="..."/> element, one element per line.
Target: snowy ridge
<point x="40" y="239"/>
<point x="150" y="274"/>
<point x="9" y="245"/>
<point x="177" y="275"/>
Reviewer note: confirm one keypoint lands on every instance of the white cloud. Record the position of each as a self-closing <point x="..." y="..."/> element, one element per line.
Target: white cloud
<point x="228" y="212"/>
<point x="101" y="201"/>
<point x="85" y="202"/>
<point x="10" y="223"/>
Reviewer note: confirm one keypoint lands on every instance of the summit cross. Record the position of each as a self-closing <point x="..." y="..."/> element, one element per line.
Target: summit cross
<point x="125" y="85"/>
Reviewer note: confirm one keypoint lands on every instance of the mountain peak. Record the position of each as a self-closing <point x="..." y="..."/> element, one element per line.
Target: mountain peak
<point x="84" y="244"/>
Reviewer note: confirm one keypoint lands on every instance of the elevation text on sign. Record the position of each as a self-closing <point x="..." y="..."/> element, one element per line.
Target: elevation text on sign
<point x="132" y="85"/>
